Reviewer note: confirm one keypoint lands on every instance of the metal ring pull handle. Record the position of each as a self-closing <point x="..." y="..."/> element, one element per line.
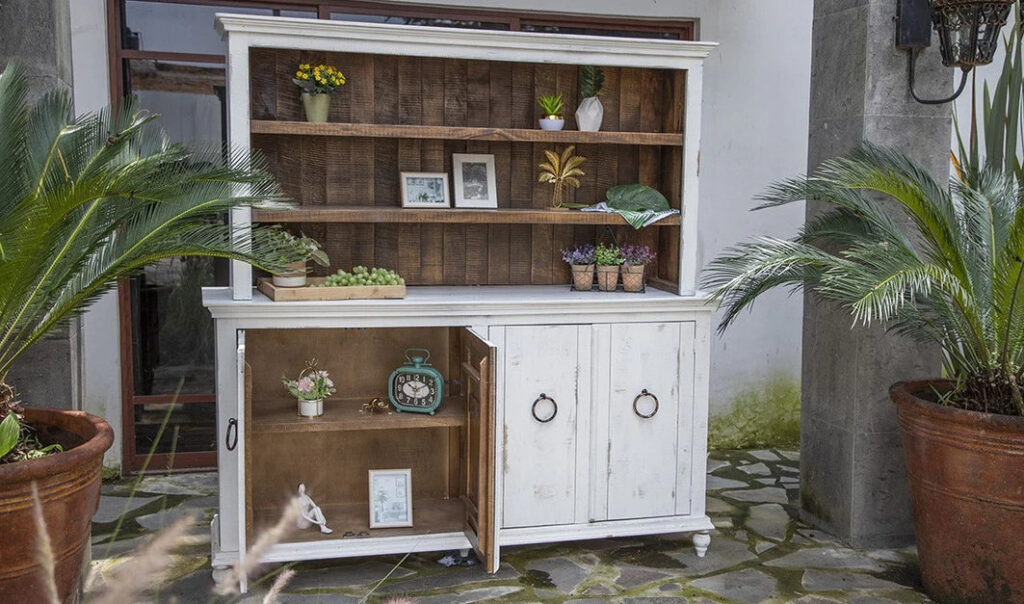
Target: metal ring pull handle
<point x="636" y="403"/>
<point x="231" y="438"/>
<point x="554" y="406"/>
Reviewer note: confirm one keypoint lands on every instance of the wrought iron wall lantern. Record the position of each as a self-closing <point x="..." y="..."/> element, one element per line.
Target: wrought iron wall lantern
<point x="968" y="32"/>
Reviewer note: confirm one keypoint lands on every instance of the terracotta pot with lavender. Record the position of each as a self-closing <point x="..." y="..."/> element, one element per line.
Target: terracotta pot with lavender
<point x="318" y="83"/>
<point x="581" y="260"/>
<point x="635" y="260"/>
<point x="609" y="259"/>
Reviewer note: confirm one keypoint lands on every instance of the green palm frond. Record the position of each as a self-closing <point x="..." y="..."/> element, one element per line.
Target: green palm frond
<point x="86" y="200"/>
<point x="953" y="276"/>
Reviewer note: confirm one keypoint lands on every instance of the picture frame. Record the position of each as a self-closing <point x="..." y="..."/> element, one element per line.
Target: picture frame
<point x="474" y="180"/>
<point x="425" y="190"/>
<point x="390" y="498"/>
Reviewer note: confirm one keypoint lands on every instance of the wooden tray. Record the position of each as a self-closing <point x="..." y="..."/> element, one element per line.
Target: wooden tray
<point x="305" y="294"/>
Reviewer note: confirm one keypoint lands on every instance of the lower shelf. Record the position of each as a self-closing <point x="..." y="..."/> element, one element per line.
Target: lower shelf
<point x="430" y="516"/>
<point x="344" y="414"/>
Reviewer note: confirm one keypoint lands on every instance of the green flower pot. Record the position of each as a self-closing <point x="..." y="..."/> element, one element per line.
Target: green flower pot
<point x="316" y="106"/>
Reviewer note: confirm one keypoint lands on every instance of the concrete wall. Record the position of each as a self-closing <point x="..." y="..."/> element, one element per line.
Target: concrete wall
<point x="755" y="131"/>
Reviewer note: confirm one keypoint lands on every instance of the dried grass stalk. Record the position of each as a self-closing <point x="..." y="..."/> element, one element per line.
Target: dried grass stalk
<point x="138" y="573"/>
<point x="275" y="590"/>
<point x="244" y="567"/>
<point x="44" y="551"/>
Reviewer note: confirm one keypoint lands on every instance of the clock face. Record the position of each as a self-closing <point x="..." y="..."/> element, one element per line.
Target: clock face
<point x="413" y="390"/>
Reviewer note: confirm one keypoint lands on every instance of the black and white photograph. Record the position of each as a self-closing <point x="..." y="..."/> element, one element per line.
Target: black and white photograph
<point x="474" y="180"/>
<point x="390" y="498"/>
<point x="425" y="190"/>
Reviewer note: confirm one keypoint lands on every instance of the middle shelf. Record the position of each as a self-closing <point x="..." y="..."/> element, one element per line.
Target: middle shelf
<point x="342" y="415"/>
<point x="385" y="214"/>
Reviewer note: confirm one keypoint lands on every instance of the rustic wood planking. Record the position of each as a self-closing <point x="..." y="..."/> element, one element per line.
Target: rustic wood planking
<point x="412" y="113"/>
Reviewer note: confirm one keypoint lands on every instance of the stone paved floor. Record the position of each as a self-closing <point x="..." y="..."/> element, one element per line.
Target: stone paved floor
<point x="758" y="554"/>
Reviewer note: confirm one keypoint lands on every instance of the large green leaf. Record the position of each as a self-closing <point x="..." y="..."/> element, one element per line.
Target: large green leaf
<point x="636" y="198"/>
<point x="10" y="430"/>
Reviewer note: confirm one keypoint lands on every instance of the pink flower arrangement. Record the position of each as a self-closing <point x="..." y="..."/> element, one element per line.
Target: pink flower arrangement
<point x="313" y="384"/>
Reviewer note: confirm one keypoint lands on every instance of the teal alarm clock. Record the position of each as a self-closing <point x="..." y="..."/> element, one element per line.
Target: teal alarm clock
<point x="416" y="386"/>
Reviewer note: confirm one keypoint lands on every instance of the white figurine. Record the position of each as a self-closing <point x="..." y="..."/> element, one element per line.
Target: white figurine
<point x="310" y="513"/>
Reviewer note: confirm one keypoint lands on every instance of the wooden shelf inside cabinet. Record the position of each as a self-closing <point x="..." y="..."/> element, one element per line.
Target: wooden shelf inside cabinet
<point x="344" y="415"/>
<point x="465" y="133"/>
<point x="429" y="516"/>
<point x="376" y="214"/>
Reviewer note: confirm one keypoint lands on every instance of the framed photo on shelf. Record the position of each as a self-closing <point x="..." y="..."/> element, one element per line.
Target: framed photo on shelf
<point x="474" y="180"/>
<point x="390" y="498"/>
<point x="425" y="190"/>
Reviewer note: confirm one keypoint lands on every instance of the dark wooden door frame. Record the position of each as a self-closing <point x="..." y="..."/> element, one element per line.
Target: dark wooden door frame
<point x="135" y="461"/>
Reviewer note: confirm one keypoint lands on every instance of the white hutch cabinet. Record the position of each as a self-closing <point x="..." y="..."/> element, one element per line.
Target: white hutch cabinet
<point x="570" y="415"/>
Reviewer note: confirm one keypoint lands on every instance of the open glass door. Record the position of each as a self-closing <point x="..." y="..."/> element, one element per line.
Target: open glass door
<point x="478" y="493"/>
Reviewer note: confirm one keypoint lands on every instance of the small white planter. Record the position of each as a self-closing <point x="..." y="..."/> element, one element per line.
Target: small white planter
<point x="550" y="124"/>
<point x="295" y="278"/>
<point x="311" y="408"/>
<point x="590" y="114"/>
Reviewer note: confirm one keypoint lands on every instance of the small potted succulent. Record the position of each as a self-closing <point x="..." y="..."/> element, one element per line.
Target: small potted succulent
<point x="295" y="275"/>
<point x="552" y="106"/>
<point x="310" y="389"/>
<point x="581" y="259"/>
<point x="590" y="113"/>
<point x="608" y="258"/>
<point x="635" y="258"/>
<point x="318" y="83"/>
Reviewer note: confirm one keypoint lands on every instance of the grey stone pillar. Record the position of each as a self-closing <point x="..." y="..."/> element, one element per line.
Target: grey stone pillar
<point x="37" y="34"/>
<point x="853" y="481"/>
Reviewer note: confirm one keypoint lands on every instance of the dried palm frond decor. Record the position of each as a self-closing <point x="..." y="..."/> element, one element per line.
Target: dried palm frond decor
<point x="561" y="170"/>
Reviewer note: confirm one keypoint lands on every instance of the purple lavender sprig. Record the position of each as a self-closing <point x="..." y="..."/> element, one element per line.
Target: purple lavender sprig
<point x="581" y="254"/>
<point x="638" y="255"/>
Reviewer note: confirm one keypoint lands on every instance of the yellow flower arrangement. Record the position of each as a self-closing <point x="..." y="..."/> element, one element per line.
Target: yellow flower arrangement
<point x="318" y="79"/>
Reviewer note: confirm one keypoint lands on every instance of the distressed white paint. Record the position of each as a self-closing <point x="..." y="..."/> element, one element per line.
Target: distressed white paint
<point x="642" y="452"/>
<point x="540" y="473"/>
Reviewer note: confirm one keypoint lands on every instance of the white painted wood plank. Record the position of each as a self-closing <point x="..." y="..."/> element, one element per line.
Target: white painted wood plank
<point x="584" y="417"/>
<point x="689" y="262"/>
<point x="376" y="546"/>
<point x="238" y="139"/>
<point x="601" y="385"/>
<point x="643" y="451"/>
<point x="229" y="497"/>
<point x="700" y="369"/>
<point x="239" y="448"/>
<point x="540" y="475"/>
<point x="601" y="530"/>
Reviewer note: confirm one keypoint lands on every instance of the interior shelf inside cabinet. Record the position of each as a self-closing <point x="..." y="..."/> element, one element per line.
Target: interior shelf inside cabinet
<point x="429" y="516"/>
<point x="345" y="415"/>
<point x="383" y="215"/>
<point x="465" y="133"/>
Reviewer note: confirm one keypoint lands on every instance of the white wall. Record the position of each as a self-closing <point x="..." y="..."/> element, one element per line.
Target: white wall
<point x="99" y="353"/>
<point x="755" y="130"/>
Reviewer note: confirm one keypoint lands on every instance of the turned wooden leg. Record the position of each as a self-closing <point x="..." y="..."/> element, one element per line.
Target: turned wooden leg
<point x="463" y="553"/>
<point x="701" y="541"/>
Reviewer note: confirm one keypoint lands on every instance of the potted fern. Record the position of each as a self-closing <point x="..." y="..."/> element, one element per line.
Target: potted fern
<point x="551" y="112"/>
<point x="581" y="260"/>
<point x="609" y="259"/>
<point x="635" y="258"/>
<point x="84" y="201"/>
<point x="590" y="112"/>
<point x="955" y="280"/>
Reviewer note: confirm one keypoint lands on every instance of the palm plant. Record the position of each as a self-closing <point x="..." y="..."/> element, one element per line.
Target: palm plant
<point x="561" y="170"/>
<point x="957" y="279"/>
<point x="86" y="200"/>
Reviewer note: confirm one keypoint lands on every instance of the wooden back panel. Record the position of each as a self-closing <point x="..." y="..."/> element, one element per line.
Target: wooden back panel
<point x="386" y="90"/>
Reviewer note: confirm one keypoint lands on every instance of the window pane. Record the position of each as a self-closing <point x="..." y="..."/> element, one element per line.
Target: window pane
<point x="595" y="31"/>
<point x="190" y="428"/>
<point x="428" y="21"/>
<point x="173" y="27"/>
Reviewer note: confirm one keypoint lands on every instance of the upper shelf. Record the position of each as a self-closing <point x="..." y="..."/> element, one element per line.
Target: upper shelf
<point x="376" y="214"/>
<point x="664" y="139"/>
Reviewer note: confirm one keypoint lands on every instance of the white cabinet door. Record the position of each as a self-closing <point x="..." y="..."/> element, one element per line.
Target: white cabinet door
<point x="650" y="403"/>
<point x="540" y="413"/>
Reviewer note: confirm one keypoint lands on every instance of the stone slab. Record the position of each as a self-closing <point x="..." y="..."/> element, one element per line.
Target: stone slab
<point x="345" y="575"/>
<point x="564" y="573"/>
<point x="716" y="483"/>
<point x="762" y="495"/>
<point x="764" y="455"/>
<point x="756" y="469"/>
<point x="194" y="484"/>
<point x="748" y="585"/>
<point x="770" y="520"/>
<point x="829" y="580"/>
<point x="827" y="558"/>
<point x="723" y="553"/>
<point x="111" y="508"/>
<point x="483" y="594"/>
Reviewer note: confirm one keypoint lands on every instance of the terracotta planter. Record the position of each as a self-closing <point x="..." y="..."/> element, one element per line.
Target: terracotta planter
<point x="293" y="278"/>
<point x="317" y="106"/>
<point x="607" y="278"/>
<point x="69" y="489"/>
<point x="633" y="278"/>
<point x="966" y="472"/>
<point x="583" y="276"/>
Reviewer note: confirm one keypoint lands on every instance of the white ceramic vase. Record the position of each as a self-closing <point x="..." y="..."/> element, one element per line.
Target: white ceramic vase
<point x="550" y="124"/>
<point x="311" y="408"/>
<point x="589" y="114"/>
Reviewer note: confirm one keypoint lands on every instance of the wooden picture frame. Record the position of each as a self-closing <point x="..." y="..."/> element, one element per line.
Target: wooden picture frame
<point x="474" y="180"/>
<point x="390" y="498"/>
<point x="425" y="190"/>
